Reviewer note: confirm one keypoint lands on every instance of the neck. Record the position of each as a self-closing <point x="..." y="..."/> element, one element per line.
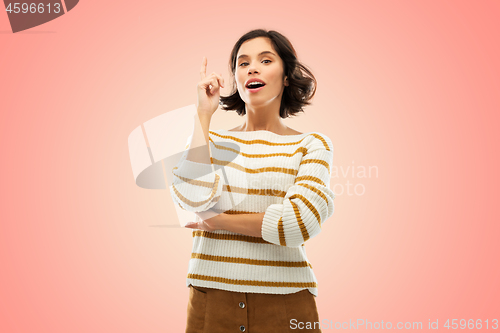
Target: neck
<point x="266" y="118"/>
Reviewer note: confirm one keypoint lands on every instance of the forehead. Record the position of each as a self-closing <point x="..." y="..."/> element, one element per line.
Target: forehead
<point x="254" y="46"/>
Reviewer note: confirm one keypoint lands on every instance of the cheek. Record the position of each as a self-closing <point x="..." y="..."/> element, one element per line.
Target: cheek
<point x="276" y="75"/>
<point x="279" y="73"/>
<point x="239" y="79"/>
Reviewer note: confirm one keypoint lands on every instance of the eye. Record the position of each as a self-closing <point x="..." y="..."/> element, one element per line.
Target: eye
<point x="247" y="62"/>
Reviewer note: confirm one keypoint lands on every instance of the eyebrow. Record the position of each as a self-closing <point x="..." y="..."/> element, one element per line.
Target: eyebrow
<point x="263" y="52"/>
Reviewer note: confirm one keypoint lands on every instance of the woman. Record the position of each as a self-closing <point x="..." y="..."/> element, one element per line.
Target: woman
<point x="258" y="198"/>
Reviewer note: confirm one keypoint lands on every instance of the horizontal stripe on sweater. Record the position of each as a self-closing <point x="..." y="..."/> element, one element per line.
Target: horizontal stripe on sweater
<point x="247" y="261"/>
<point x="301" y="150"/>
<point x="269" y="143"/>
<point x="253" y="282"/>
<point x="241" y="238"/>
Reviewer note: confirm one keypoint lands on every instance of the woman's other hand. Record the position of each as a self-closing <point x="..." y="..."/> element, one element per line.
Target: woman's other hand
<point x="208" y="91"/>
<point x="210" y="221"/>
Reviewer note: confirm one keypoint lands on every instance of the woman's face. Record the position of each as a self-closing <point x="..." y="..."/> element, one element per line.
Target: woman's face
<point x="257" y="59"/>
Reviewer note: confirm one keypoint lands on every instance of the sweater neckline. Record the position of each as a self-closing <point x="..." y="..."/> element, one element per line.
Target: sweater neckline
<point x="260" y="131"/>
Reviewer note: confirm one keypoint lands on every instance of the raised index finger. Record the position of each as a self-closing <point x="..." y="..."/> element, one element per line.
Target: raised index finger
<point x="203" y="70"/>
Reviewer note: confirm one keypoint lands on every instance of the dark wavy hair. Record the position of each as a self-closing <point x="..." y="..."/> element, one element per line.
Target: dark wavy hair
<point x="301" y="82"/>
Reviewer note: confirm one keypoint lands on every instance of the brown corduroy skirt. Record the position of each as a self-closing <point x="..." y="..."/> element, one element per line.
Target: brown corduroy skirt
<point x="220" y="311"/>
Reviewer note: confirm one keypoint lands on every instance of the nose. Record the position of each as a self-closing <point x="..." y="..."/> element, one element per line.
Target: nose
<point x="252" y="68"/>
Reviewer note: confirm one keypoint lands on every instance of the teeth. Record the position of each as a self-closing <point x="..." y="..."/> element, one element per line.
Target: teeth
<point x="254" y="83"/>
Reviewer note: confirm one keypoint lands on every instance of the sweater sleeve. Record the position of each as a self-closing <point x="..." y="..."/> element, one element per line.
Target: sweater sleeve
<point x="307" y="203"/>
<point x="196" y="187"/>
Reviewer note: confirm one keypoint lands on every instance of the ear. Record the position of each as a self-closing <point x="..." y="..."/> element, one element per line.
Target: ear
<point x="286" y="81"/>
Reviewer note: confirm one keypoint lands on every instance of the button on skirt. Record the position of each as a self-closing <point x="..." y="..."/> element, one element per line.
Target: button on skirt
<point x="219" y="311"/>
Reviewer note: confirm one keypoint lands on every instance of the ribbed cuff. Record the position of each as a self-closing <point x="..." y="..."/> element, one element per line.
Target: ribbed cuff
<point x="270" y="223"/>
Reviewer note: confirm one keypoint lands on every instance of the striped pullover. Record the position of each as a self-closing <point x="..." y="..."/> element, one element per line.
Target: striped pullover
<point x="287" y="177"/>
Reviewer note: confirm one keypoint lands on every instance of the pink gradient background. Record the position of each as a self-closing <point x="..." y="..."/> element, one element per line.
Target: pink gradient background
<point x="411" y="87"/>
